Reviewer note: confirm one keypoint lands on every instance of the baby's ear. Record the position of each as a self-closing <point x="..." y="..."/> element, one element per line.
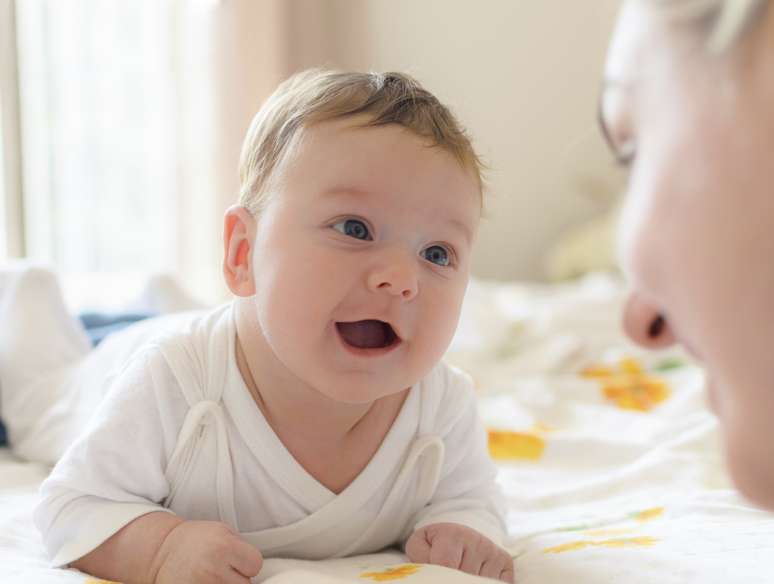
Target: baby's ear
<point x="238" y="237"/>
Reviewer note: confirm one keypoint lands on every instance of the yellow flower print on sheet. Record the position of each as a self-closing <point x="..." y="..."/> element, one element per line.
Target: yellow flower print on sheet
<point x="648" y="514"/>
<point x="629" y="386"/>
<point x="507" y="445"/>
<point x="625" y="542"/>
<point x="394" y="573"/>
<point x="604" y="529"/>
<point x="640" y="516"/>
<point x="510" y="445"/>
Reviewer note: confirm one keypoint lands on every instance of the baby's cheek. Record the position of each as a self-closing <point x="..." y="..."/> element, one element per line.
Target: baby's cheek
<point x="445" y="318"/>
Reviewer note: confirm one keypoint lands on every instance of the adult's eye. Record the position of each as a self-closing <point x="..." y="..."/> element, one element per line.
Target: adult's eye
<point x="617" y="125"/>
<point x="353" y="228"/>
<point x="437" y="254"/>
<point x="625" y="153"/>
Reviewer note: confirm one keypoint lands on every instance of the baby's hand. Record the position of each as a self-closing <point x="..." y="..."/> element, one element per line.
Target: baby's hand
<point x="206" y="552"/>
<point x="461" y="548"/>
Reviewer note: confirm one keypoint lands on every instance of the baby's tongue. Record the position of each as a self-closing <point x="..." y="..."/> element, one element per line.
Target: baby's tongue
<point x="364" y="334"/>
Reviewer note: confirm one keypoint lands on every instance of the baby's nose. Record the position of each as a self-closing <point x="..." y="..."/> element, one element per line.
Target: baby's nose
<point x="397" y="277"/>
<point x="645" y="325"/>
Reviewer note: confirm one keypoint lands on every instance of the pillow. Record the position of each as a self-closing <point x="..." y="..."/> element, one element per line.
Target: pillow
<point x="585" y="249"/>
<point x="51" y="377"/>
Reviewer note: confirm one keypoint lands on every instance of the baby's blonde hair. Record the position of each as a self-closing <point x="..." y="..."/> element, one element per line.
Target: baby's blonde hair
<point x="317" y="95"/>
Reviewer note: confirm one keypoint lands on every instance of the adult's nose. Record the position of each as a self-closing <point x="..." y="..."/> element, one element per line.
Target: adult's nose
<point x="646" y="325"/>
<point x="397" y="275"/>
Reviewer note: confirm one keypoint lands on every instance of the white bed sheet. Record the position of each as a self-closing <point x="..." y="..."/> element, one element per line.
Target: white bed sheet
<point x="616" y="495"/>
<point x="21" y="549"/>
<point x="597" y="493"/>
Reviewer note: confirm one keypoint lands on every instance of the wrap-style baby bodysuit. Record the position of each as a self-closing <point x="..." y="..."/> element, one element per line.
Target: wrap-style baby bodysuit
<point x="178" y="431"/>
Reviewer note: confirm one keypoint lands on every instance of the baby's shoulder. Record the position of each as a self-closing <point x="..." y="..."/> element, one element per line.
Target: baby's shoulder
<point x="162" y="353"/>
<point x="137" y="345"/>
<point x="448" y="380"/>
<point x="446" y="393"/>
<point x="197" y="353"/>
<point x="199" y="327"/>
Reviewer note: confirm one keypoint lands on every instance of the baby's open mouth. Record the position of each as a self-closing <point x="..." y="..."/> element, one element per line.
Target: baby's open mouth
<point x="368" y="334"/>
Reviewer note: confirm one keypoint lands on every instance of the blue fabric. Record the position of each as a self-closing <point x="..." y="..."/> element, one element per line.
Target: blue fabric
<point x="3" y="437"/>
<point x="99" y="325"/>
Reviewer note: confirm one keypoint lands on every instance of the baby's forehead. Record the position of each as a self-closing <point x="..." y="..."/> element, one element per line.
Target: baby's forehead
<point x="354" y="130"/>
<point x="376" y="167"/>
<point x="357" y="145"/>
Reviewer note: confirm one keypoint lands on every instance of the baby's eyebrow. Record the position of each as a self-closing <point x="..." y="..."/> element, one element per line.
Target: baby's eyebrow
<point x="356" y="192"/>
<point x="463" y="228"/>
<point x="345" y="191"/>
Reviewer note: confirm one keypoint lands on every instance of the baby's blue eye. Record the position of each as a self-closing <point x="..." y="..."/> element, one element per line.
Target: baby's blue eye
<point x="437" y="254"/>
<point x="353" y="228"/>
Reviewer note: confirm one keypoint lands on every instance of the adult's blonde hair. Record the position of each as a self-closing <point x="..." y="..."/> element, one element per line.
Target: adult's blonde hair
<point x="725" y="20"/>
<point x="318" y="95"/>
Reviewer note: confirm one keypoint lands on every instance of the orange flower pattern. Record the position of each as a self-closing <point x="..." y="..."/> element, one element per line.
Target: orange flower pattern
<point x="629" y="386"/>
<point x="395" y="573"/>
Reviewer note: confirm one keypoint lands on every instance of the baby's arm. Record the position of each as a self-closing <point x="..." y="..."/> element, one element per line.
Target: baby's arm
<point x="101" y="509"/>
<point x="462" y="527"/>
<point x="132" y="554"/>
<point x="161" y="548"/>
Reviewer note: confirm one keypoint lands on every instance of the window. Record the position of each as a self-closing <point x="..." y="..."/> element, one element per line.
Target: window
<point x="131" y="118"/>
<point x="11" y="240"/>
<point x="99" y="125"/>
<point x="3" y="220"/>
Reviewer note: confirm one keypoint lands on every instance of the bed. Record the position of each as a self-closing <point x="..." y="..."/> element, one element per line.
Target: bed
<point x="611" y="464"/>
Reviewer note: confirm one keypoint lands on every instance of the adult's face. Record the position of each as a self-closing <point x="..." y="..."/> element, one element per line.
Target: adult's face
<point x="697" y="236"/>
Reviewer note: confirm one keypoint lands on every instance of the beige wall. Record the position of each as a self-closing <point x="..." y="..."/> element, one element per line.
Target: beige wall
<point x="523" y="77"/>
<point x="235" y="53"/>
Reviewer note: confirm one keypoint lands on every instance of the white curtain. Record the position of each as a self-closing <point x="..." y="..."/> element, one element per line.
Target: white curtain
<point x="11" y="236"/>
<point x="132" y="115"/>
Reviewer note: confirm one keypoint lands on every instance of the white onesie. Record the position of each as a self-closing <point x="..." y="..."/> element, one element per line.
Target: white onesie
<point x="179" y="431"/>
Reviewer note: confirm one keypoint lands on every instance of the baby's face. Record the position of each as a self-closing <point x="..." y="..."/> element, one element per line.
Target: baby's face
<point x="698" y="229"/>
<point x="362" y="257"/>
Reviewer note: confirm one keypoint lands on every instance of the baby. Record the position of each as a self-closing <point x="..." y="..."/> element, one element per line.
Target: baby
<point x="310" y="417"/>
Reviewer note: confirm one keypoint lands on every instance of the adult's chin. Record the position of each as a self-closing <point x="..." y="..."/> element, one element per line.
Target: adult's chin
<point x="750" y="460"/>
